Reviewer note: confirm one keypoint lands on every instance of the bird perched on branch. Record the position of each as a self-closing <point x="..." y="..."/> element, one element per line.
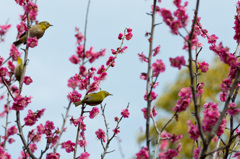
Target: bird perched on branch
<point x="36" y="30"/>
<point x="93" y="98"/>
<point x="18" y="69"/>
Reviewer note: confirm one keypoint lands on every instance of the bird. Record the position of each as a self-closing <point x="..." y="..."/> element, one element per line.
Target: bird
<point x="35" y="31"/>
<point x="18" y="69"/>
<point x="93" y="99"/>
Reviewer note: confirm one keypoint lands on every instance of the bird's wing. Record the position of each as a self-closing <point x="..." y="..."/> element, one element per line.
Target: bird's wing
<point x="23" y="34"/>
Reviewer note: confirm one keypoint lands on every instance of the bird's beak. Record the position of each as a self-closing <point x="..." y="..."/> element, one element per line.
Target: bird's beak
<point x="110" y="94"/>
<point x="50" y="25"/>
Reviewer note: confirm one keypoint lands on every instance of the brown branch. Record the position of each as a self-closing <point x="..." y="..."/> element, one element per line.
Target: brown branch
<point x="148" y="77"/>
<point x="63" y="125"/>
<point x="6" y="124"/>
<point x="9" y="91"/>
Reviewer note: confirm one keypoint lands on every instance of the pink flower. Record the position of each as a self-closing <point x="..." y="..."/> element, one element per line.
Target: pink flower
<point x="20" y="2"/>
<point x="177" y="61"/>
<point x="200" y="89"/>
<point x="68" y="146"/>
<point x="129" y="30"/>
<point x="193" y="131"/>
<point x="143" y="154"/>
<point x="120" y="35"/>
<point x="32" y="42"/>
<point x="100" y="134"/>
<point x="1" y="60"/>
<point x="80" y="51"/>
<point x="27" y="80"/>
<point x="226" y="84"/>
<point x="11" y="140"/>
<point x="223" y="96"/>
<point x="11" y="66"/>
<point x="143" y="76"/>
<point x="101" y="69"/>
<point x="53" y="155"/>
<point x="31" y="118"/>
<point x="142" y="57"/>
<point x="3" y="71"/>
<point x="111" y="61"/>
<point x="79" y="36"/>
<point x="116" y="119"/>
<point x="203" y="66"/>
<point x="212" y="39"/>
<point x="172" y="153"/>
<point x="129" y="36"/>
<point x="49" y="125"/>
<point x="33" y="147"/>
<point x="125" y="113"/>
<point x="22" y="27"/>
<point x="82" y="143"/>
<point x="158" y="67"/>
<point x="153" y="113"/>
<point x="196" y="152"/>
<point x="232" y="110"/>
<point x="152" y="96"/>
<point x="74" y="96"/>
<point x="14" y="53"/>
<point x="116" y="130"/>
<point x="84" y="155"/>
<point x="83" y="71"/>
<point x="74" y="59"/>
<point x="21" y="102"/>
<point x="12" y="130"/>
<point x="156" y="50"/>
<point x="94" y="112"/>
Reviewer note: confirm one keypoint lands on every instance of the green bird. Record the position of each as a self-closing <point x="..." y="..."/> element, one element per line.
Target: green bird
<point x="93" y="98"/>
<point x="36" y="30"/>
<point x="18" y="69"/>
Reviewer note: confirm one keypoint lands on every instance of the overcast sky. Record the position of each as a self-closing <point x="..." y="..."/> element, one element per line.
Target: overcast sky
<point x="50" y="68"/>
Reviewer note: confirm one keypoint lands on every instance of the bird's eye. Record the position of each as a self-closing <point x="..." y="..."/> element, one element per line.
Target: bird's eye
<point x="46" y="23"/>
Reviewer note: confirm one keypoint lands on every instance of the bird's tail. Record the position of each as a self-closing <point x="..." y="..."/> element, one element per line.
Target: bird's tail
<point x="17" y="43"/>
<point x="78" y="103"/>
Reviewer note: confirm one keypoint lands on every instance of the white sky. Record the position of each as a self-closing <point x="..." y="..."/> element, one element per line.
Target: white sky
<point x="50" y="68"/>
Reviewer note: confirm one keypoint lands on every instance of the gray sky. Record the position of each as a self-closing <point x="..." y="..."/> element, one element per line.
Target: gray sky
<point x="50" y="68"/>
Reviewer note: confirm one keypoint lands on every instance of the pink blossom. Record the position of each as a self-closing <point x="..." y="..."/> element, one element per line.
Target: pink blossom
<point x="177" y="61"/>
<point x="156" y="50"/>
<point x="153" y="113"/>
<point x="74" y="96"/>
<point x="68" y="146"/>
<point x="3" y="71"/>
<point x="120" y="35"/>
<point x="142" y="57"/>
<point x="72" y="83"/>
<point x="212" y="39"/>
<point x="11" y="66"/>
<point x="79" y="36"/>
<point x="21" y="102"/>
<point x="196" y="152"/>
<point x="33" y="147"/>
<point x="193" y="131"/>
<point x="129" y="30"/>
<point x="12" y="130"/>
<point x="116" y="119"/>
<point x="11" y="140"/>
<point x="74" y="59"/>
<point x="223" y="96"/>
<point x="129" y="36"/>
<point x="84" y="155"/>
<point x="143" y="154"/>
<point x="226" y="84"/>
<point x="83" y="71"/>
<point x="143" y="76"/>
<point x="232" y="110"/>
<point x="93" y="87"/>
<point x="158" y="67"/>
<point x="116" y="130"/>
<point x="32" y="42"/>
<point x="20" y="2"/>
<point x="203" y="66"/>
<point x="101" y="69"/>
<point x="100" y="134"/>
<point x="94" y="112"/>
<point x="111" y="61"/>
<point x="14" y="53"/>
<point x="82" y="143"/>
<point x="200" y="89"/>
<point x="22" y="27"/>
<point x="53" y="155"/>
<point x="31" y="118"/>
<point x="27" y="80"/>
<point x="49" y="125"/>
<point x="80" y="51"/>
<point x="152" y="96"/>
<point x="125" y="113"/>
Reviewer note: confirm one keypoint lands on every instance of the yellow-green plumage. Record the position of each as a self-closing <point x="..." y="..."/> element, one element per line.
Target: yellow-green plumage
<point x="18" y="69"/>
<point x="93" y="98"/>
<point x="36" y="30"/>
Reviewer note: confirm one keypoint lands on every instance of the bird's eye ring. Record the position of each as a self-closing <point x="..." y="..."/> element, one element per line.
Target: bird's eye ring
<point x="46" y="23"/>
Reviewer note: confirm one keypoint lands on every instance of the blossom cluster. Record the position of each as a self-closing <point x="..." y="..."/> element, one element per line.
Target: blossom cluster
<point x="184" y="101"/>
<point x="3" y="31"/>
